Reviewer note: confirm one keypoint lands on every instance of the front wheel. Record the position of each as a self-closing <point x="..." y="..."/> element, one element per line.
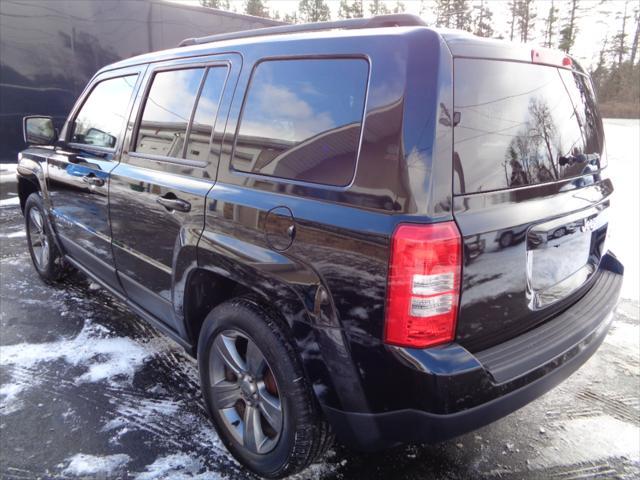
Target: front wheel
<point x="255" y="391"/>
<point x="44" y="252"/>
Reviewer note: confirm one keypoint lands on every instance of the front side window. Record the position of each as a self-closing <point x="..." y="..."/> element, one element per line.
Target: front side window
<point x="302" y="120"/>
<point x="167" y="112"/>
<point x="101" y="119"/>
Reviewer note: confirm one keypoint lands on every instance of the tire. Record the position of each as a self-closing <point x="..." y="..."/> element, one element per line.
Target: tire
<point x="506" y="239"/>
<point x="233" y="336"/>
<point x="43" y="249"/>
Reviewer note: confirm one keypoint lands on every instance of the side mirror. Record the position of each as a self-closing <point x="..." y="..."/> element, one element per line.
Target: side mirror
<point x="38" y="130"/>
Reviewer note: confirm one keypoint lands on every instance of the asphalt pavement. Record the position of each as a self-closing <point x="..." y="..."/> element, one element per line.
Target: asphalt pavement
<point x="89" y="390"/>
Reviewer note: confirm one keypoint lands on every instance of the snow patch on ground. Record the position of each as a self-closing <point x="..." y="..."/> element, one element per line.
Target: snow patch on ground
<point x="177" y="466"/>
<point x="625" y="336"/>
<point x="83" y="465"/>
<point x="587" y="440"/>
<point x="18" y="234"/>
<point x="10" y="397"/>
<point x="623" y="150"/>
<point x="104" y="358"/>
<point x="10" y="202"/>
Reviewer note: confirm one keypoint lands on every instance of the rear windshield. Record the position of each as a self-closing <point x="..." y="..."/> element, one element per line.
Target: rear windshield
<point x="522" y="124"/>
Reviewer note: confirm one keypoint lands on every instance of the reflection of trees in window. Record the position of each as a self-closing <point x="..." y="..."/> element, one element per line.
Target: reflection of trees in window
<point x="584" y="101"/>
<point x="530" y="155"/>
<point x="545" y="130"/>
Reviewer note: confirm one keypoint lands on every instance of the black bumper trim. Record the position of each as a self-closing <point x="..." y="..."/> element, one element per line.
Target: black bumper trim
<point x="528" y="351"/>
<point x="492" y="383"/>
<point x="370" y="432"/>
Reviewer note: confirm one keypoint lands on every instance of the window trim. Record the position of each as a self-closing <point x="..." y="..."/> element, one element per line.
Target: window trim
<point x="289" y="181"/>
<point x="205" y="66"/>
<point x="138" y="73"/>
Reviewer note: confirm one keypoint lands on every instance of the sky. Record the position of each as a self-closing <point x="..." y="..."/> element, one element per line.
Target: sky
<point x="597" y="18"/>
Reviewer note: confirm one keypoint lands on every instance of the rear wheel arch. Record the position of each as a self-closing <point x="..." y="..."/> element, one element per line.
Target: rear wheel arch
<point x="204" y="290"/>
<point x="266" y="328"/>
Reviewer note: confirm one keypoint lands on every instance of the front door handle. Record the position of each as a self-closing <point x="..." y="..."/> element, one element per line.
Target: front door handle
<point x="91" y="179"/>
<point x="173" y="203"/>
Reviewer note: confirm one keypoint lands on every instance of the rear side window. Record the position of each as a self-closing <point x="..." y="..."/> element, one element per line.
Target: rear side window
<point x="519" y="125"/>
<point x="101" y="118"/>
<point x="302" y="120"/>
<point x="205" y="114"/>
<point x="167" y="112"/>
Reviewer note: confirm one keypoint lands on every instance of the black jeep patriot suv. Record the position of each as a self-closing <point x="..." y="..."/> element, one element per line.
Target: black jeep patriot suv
<point x="365" y="228"/>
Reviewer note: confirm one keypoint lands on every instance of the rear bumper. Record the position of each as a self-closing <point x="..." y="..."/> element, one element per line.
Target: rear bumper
<point x="474" y="390"/>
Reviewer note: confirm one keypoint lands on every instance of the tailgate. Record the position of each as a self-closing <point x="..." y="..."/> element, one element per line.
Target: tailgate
<point x="529" y="195"/>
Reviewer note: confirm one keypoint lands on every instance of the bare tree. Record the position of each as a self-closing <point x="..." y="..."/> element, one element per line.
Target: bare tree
<point x="543" y="128"/>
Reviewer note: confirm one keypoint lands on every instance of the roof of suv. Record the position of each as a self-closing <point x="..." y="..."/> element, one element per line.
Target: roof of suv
<point x="460" y="43"/>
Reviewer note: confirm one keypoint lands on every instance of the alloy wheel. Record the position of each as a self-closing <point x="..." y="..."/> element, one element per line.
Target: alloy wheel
<point x="244" y="392"/>
<point x="38" y="238"/>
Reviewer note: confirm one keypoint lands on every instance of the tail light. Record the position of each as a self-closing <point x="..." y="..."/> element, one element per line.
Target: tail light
<point x="424" y="285"/>
<point x="547" y="56"/>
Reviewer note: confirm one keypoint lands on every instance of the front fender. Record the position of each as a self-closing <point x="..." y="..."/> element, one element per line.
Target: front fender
<point x="32" y="167"/>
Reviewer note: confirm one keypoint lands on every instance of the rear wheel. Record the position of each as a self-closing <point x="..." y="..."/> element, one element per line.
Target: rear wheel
<point x="506" y="239"/>
<point x="255" y="391"/>
<point x="44" y="252"/>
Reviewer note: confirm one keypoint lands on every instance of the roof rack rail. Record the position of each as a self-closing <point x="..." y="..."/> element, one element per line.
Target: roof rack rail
<point x="393" y="20"/>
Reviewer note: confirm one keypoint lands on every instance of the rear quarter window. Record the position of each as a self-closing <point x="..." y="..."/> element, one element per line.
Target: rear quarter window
<point x="302" y="120"/>
<point x="522" y="124"/>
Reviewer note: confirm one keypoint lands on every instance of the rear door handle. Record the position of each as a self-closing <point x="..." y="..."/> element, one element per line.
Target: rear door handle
<point x="174" y="204"/>
<point x="91" y="179"/>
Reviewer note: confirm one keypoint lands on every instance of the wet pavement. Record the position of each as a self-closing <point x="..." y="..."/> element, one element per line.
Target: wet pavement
<point x="87" y="389"/>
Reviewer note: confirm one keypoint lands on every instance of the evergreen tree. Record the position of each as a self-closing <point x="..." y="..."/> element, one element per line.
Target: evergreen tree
<point x="513" y="8"/>
<point x="314" y="11"/>
<point x="453" y="14"/>
<point x="569" y="29"/>
<point x="444" y="13"/>
<point x="526" y="15"/>
<point x="423" y="7"/>
<point x="350" y="9"/>
<point x="220" y="4"/>
<point x="620" y="49"/>
<point x="291" y="18"/>
<point x="257" y="8"/>
<point x="461" y="14"/>
<point x="482" y="22"/>
<point x="634" y="45"/>
<point x="549" y="25"/>
<point x="599" y="74"/>
<point x="399" y="7"/>
<point x="378" y="7"/>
